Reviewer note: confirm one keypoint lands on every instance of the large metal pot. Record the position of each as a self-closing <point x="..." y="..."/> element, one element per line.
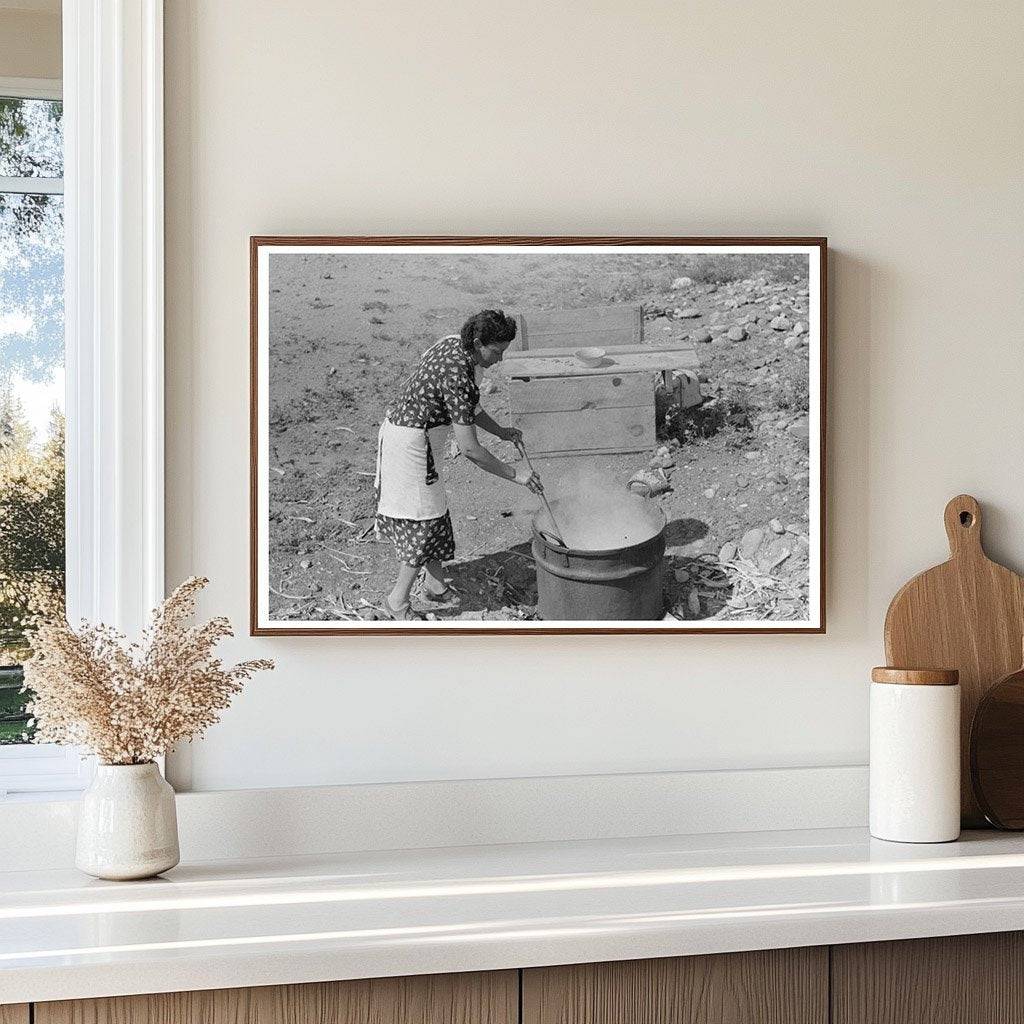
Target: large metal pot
<point x="618" y="584"/>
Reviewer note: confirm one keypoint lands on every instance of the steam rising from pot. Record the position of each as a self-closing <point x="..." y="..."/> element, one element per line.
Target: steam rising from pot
<point x="596" y="513"/>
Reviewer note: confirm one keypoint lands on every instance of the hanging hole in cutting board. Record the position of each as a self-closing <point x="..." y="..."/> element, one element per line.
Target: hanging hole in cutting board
<point x="966" y="519"/>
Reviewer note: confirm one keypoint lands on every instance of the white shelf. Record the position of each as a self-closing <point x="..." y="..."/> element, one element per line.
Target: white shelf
<point x="351" y="915"/>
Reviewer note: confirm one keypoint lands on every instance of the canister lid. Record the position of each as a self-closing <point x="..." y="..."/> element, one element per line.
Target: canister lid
<point x="916" y="676"/>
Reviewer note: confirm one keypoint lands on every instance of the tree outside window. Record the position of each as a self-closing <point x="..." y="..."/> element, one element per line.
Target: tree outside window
<point x="31" y="387"/>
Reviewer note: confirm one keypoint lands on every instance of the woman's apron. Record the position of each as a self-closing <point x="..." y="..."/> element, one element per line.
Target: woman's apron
<point x="410" y="471"/>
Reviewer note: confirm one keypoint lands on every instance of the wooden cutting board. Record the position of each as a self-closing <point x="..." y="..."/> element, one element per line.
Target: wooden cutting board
<point x="967" y="614"/>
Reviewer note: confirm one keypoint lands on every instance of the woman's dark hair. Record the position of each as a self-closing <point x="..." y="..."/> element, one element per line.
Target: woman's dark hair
<point x="488" y="327"/>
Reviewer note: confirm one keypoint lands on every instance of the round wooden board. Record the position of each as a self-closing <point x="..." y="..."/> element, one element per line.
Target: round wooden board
<point x="997" y="752"/>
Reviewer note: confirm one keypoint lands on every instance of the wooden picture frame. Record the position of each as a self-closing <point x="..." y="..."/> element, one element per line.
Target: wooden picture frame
<point x="310" y="327"/>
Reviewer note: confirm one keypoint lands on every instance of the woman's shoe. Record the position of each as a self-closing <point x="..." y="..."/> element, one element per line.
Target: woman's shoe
<point x="448" y="598"/>
<point x="404" y="613"/>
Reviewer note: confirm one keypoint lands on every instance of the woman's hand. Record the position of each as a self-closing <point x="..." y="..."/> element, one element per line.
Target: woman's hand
<point x="526" y="477"/>
<point x="514" y="435"/>
<point x="469" y="445"/>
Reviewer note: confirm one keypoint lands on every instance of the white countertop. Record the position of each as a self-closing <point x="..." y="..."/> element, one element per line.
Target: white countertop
<point x="261" y="922"/>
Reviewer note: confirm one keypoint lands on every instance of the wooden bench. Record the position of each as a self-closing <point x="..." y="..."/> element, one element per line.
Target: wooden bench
<point x="564" y="408"/>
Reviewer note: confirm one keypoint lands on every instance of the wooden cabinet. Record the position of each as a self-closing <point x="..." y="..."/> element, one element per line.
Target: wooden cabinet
<point x="962" y="979"/>
<point x="970" y="979"/>
<point x="490" y="998"/>
<point x="778" y="986"/>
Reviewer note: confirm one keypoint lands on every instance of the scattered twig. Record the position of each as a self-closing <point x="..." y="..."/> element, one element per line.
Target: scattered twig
<point x="342" y="611"/>
<point x="517" y="554"/>
<point x="290" y="597"/>
<point x="348" y="554"/>
<point x="345" y="568"/>
<point x="299" y="519"/>
<point x="735" y="587"/>
<point x="755" y="588"/>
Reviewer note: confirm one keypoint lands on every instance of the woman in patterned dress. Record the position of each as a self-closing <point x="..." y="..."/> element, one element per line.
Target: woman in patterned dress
<point x="441" y="395"/>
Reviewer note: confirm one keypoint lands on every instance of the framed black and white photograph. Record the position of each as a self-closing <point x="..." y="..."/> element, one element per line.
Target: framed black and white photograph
<point x="516" y="435"/>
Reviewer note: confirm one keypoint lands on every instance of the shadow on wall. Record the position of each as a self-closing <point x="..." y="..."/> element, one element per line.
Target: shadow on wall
<point x="854" y="287"/>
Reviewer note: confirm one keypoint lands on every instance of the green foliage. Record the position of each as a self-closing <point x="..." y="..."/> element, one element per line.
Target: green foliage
<point x="27" y="216"/>
<point x="14" y="722"/>
<point x="30" y="147"/>
<point x="30" y="138"/>
<point x="32" y="551"/>
<point x="32" y="505"/>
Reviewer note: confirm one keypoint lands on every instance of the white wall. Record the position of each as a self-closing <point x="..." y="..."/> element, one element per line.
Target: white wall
<point x="895" y="129"/>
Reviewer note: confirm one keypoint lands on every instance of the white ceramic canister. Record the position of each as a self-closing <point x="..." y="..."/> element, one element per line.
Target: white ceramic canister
<point x="915" y="755"/>
<point x="127" y="825"/>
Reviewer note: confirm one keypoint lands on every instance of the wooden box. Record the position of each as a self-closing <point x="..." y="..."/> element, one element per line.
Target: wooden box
<point x="599" y="414"/>
<point x="564" y="408"/>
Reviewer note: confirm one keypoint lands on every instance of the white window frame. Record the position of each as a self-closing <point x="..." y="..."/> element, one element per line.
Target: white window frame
<point x="114" y="325"/>
<point x="32" y="88"/>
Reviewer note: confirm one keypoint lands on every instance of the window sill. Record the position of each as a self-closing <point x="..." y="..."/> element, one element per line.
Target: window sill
<point x="43" y="771"/>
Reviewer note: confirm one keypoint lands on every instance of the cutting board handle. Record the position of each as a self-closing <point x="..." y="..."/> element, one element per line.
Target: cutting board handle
<point x="963" y="526"/>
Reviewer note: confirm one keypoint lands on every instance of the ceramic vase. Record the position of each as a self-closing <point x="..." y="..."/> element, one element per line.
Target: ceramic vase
<point x="127" y="825"/>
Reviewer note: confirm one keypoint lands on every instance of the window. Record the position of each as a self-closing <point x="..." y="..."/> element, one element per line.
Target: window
<point x="109" y="208"/>
<point x="32" y="548"/>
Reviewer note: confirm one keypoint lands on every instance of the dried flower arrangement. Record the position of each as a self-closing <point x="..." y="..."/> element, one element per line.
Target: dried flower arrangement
<point x="129" y="703"/>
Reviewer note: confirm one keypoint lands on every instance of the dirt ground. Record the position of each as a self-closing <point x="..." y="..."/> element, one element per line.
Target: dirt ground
<point x="346" y="330"/>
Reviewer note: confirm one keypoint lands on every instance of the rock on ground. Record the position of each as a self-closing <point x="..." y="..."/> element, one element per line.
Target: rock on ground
<point x="800" y="427"/>
<point x="750" y="542"/>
